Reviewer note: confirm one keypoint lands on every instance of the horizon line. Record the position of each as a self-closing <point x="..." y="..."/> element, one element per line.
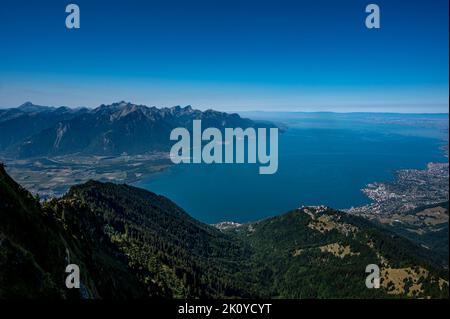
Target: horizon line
<point x="234" y="111"/>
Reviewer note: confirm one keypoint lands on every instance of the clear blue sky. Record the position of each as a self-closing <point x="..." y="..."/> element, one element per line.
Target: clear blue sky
<point x="312" y="55"/>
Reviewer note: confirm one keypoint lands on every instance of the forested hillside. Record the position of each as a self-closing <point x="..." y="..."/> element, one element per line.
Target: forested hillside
<point x="131" y="243"/>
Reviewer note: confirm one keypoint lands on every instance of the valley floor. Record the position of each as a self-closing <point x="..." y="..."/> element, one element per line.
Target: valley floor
<point x="53" y="176"/>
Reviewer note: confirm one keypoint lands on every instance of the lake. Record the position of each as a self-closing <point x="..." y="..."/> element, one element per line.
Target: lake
<point x="324" y="159"/>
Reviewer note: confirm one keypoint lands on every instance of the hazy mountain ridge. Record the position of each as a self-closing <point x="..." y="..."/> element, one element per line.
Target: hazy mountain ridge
<point x="19" y="123"/>
<point x="132" y="243"/>
<point x="113" y="129"/>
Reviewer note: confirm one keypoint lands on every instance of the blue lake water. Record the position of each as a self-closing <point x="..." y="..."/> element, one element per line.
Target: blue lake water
<point x="320" y="162"/>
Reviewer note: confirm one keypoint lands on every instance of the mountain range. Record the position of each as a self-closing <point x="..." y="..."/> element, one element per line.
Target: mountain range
<point x="110" y="130"/>
<point x="16" y="124"/>
<point x="131" y="243"/>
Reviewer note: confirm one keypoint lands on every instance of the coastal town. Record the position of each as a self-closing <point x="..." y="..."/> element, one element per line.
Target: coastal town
<point x="412" y="188"/>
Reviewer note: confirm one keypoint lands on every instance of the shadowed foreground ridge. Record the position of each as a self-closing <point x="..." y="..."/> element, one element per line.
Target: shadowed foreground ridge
<point x="131" y="243"/>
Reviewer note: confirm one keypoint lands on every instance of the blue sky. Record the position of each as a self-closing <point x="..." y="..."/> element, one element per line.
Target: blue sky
<point x="313" y="55"/>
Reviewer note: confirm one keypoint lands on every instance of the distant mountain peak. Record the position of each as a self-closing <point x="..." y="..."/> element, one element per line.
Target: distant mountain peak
<point x="124" y="104"/>
<point x="30" y="107"/>
<point x="28" y="103"/>
<point x="119" y="106"/>
<point x="128" y="105"/>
